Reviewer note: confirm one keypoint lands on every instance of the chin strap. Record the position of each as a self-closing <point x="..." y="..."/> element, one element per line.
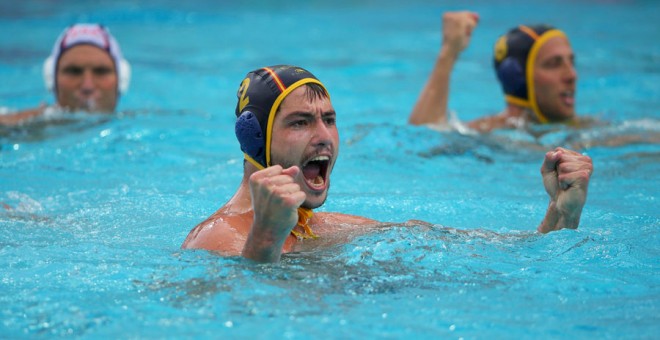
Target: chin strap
<point x="304" y="215"/>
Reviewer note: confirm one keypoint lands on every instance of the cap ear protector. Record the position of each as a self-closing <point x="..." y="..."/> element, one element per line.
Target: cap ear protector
<point x="259" y="97"/>
<point x="514" y="57"/>
<point x="91" y="34"/>
<point x="512" y="76"/>
<point x="250" y="136"/>
<point x="49" y="73"/>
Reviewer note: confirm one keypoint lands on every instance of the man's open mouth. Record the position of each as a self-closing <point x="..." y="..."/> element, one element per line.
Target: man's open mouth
<point x="568" y="98"/>
<point x="315" y="172"/>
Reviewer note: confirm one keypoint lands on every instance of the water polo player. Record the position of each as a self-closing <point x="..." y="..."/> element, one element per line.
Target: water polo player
<point x="286" y="127"/>
<point x="534" y="65"/>
<point x="85" y="71"/>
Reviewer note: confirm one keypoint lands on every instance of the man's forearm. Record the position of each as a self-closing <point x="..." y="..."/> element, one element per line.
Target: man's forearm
<point x="431" y="107"/>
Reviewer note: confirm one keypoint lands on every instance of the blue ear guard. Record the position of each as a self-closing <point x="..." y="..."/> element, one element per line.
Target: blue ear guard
<point x="250" y="136"/>
<point x="512" y="77"/>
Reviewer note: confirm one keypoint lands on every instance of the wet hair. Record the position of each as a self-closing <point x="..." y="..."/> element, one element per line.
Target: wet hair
<point x="315" y="91"/>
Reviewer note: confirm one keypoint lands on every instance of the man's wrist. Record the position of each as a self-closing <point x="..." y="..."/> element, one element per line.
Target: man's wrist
<point x="568" y="220"/>
<point x="262" y="248"/>
<point x="555" y="219"/>
<point x="550" y="220"/>
<point x="448" y="54"/>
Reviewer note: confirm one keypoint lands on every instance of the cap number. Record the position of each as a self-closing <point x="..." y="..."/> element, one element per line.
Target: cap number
<point x="243" y="99"/>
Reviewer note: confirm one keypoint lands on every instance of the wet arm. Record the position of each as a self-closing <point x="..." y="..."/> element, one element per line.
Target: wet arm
<point x="19" y="117"/>
<point x="431" y="106"/>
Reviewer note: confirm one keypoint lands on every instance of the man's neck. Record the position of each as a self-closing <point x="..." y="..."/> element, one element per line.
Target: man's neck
<point x="526" y="114"/>
<point x="520" y="112"/>
<point x="241" y="202"/>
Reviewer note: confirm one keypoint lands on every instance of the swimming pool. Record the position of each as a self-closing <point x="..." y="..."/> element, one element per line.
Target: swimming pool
<point x="102" y="204"/>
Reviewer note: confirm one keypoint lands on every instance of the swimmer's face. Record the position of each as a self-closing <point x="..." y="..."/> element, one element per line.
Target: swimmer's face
<point x="554" y="79"/>
<point x="86" y="80"/>
<point x="304" y="134"/>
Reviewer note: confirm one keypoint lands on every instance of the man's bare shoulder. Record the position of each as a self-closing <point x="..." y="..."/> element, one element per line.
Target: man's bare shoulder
<point x="339" y="218"/>
<point x="225" y="233"/>
<point x="502" y="120"/>
<point x="17" y="118"/>
<point x="337" y="228"/>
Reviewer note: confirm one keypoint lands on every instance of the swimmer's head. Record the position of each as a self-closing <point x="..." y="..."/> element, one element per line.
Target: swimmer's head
<point x="514" y="57"/>
<point x="259" y="97"/>
<point x="87" y="34"/>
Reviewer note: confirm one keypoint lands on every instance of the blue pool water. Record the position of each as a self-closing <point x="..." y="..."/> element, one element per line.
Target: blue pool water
<point x="101" y="204"/>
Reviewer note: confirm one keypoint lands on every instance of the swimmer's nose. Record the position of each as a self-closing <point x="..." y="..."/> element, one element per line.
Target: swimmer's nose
<point x="323" y="133"/>
<point x="570" y="73"/>
<point x="88" y="84"/>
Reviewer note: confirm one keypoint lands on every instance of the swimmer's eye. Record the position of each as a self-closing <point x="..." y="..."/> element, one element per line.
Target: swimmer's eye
<point x="558" y="61"/>
<point x="73" y="70"/>
<point x="79" y="71"/>
<point x="553" y="62"/>
<point x="102" y="71"/>
<point x="298" y="123"/>
<point x="330" y="120"/>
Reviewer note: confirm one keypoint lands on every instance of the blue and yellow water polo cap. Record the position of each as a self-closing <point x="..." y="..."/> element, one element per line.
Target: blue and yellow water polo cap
<point x="514" y="56"/>
<point x="259" y="97"/>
